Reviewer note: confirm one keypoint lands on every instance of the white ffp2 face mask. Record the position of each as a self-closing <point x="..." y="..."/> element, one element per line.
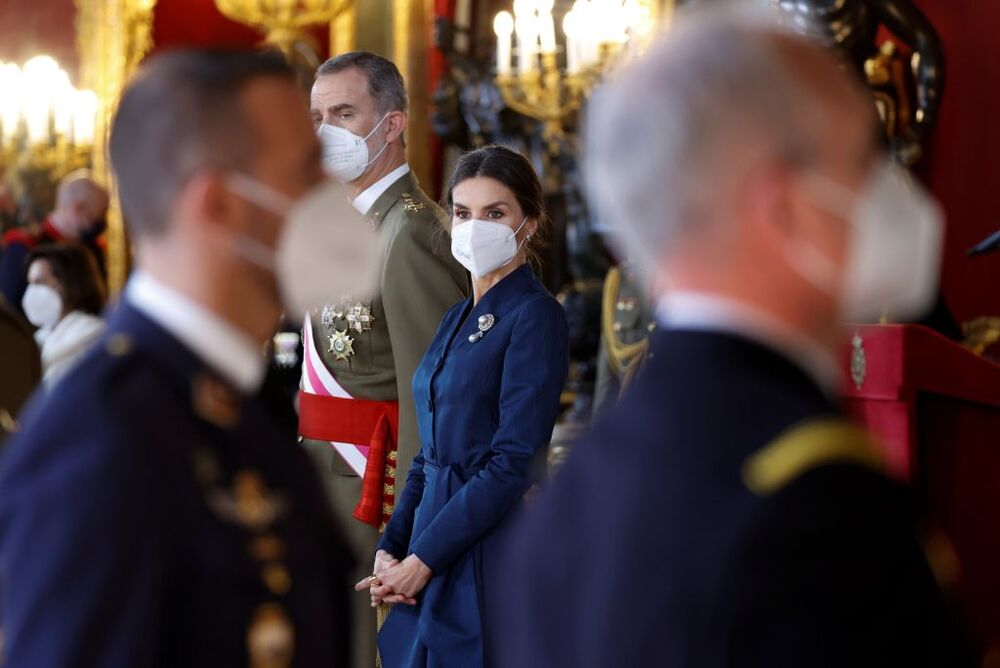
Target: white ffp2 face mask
<point x="42" y="305"/>
<point x="345" y="154"/>
<point x="482" y="246"/>
<point x="326" y="248"/>
<point x="894" y="252"/>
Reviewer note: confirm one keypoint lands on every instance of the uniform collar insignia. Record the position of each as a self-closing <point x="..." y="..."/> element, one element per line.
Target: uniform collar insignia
<point x="215" y="402"/>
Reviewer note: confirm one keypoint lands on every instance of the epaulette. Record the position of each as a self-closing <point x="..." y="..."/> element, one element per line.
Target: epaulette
<point x="806" y="447"/>
<point x="622" y="356"/>
<point x="412" y="205"/>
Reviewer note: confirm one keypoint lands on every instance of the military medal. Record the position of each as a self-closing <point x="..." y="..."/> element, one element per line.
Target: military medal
<point x="341" y="345"/>
<point x="360" y="318"/>
<point x="485" y="323"/>
<point x="331" y="313"/>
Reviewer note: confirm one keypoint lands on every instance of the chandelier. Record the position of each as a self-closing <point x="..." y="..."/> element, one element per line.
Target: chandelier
<point x="40" y="107"/>
<point x="596" y="35"/>
<point x="46" y="130"/>
<point x="283" y="21"/>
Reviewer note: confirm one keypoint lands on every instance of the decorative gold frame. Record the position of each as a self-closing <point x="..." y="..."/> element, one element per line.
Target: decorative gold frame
<point x="113" y="36"/>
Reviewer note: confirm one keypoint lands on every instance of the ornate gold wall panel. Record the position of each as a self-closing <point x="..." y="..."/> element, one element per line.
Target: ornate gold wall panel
<point x="401" y="31"/>
<point x="343" y="30"/>
<point x="113" y="36"/>
<point x="411" y="33"/>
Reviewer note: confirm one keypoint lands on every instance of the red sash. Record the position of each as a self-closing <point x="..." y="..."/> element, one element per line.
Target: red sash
<point x="360" y="421"/>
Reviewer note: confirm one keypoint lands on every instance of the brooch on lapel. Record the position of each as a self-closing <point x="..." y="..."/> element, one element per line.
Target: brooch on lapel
<point x="486" y="322"/>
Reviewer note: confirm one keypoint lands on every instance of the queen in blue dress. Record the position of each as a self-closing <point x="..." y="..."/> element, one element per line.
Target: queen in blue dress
<point x="487" y="397"/>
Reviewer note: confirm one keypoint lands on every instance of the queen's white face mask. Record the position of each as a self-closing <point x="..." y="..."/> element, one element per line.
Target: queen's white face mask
<point x="345" y="154"/>
<point x="894" y="252"/>
<point x="482" y="246"/>
<point x="325" y="249"/>
<point x="42" y="305"/>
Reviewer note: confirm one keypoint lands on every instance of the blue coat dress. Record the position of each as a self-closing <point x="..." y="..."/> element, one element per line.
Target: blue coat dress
<point x="485" y="408"/>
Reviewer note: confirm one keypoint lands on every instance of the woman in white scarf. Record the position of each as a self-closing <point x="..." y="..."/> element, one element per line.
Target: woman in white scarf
<point x="64" y="298"/>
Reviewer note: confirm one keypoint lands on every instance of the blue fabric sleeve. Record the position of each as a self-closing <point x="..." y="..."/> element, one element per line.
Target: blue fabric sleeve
<point x="534" y="371"/>
<point x="396" y="537"/>
<point x="82" y="587"/>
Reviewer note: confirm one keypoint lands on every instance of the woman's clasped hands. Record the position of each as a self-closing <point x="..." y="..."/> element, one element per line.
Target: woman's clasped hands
<point x="395" y="581"/>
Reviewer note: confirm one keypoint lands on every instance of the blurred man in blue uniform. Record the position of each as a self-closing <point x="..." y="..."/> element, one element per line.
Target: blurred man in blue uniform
<point x="150" y="512"/>
<point x="78" y="217"/>
<point x="724" y="513"/>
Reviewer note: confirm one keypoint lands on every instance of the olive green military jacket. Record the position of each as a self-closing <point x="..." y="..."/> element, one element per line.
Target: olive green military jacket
<point x="21" y="366"/>
<point x="420" y="282"/>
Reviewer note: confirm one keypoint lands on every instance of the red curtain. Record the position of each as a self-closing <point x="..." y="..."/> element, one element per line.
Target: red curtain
<point x="963" y="164"/>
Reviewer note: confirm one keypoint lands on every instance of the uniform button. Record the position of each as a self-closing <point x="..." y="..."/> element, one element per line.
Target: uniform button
<point x="277" y="579"/>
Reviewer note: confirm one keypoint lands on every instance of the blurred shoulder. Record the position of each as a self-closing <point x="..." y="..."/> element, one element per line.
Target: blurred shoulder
<point x="109" y="404"/>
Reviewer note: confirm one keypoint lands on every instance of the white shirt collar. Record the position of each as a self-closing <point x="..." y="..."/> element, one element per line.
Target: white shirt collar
<point x="366" y="200"/>
<point x="230" y="352"/>
<point x="707" y="312"/>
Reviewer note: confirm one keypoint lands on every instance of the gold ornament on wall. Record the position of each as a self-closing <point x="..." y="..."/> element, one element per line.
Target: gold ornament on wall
<point x="283" y="22"/>
<point x="597" y="35"/>
<point x="112" y="37"/>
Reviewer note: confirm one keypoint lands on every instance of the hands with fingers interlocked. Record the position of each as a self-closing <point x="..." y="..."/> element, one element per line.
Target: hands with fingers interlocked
<point x="394" y="581"/>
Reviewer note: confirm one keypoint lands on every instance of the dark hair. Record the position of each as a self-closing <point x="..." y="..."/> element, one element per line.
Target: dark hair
<point x="514" y="171"/>
<point x="385" y="83"/>
<point x="75" y="268"/>
<point x="180" y="114"/>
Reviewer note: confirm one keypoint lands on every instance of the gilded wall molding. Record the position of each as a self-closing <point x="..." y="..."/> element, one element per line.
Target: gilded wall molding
<point x="112" y="38"/>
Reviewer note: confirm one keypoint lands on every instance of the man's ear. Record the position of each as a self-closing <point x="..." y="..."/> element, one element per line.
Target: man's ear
<point x="395" y="124"/>
<point x="206" y="199"/>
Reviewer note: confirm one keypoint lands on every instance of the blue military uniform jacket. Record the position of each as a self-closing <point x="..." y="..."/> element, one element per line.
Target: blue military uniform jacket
<point x="487" y="397"/>
<point x="692" y="529"/>
<point x="151" y="516"/>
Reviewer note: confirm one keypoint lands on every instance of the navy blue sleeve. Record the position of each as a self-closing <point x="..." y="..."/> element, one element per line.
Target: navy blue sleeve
<point x="534" y="371"/>
<point x="396" y="538"/>
<point x="12" y="274"/>
<point x="80" y="545"/>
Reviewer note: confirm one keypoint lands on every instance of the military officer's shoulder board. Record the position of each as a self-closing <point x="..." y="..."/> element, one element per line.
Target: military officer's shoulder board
<point x="808" y="446"/>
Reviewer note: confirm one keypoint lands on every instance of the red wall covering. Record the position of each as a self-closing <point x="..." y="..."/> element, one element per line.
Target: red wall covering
<point x="963" y="166"/>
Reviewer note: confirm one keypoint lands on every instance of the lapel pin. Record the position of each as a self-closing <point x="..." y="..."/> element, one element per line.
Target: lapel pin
<point x="485" y="323"/>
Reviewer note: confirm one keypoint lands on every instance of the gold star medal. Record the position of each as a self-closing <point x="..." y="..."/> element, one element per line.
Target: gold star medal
<point x="341" y="345"/>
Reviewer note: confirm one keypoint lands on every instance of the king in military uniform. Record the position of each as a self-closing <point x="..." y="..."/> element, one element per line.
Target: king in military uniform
<point x="356" y="409"/>
<point x="151" y="512"/>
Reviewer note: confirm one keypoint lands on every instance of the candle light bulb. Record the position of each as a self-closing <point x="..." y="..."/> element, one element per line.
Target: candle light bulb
<point x="546" y="26"/>
<point x="503" y="24"/>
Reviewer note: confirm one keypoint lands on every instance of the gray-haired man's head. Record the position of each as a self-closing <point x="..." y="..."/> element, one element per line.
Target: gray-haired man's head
<point x="681" y="145"/>
<point x="364" y="94"/>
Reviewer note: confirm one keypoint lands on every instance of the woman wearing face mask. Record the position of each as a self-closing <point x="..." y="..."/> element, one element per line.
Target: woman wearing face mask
<point x="64" y="299"/>
<point x="487" y="398"/>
